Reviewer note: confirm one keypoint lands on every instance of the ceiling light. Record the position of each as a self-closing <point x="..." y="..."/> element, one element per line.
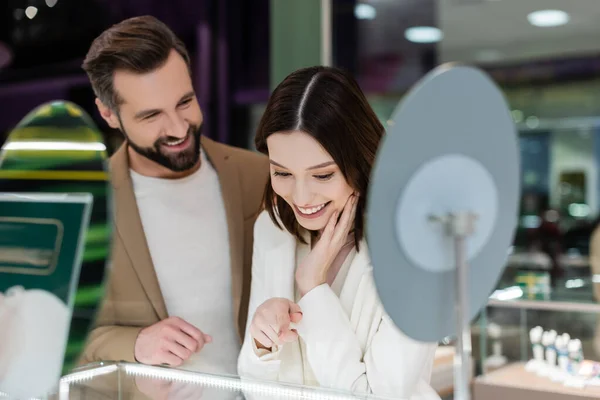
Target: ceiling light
<point x="548" y="18"/>
<point x="517" y="115"/>
<point x="31" y="12"/>
<point x="51" y="3"/>
<point x="365" y="11"/>
<point x="489" y="55"/>
<point x="532" y="122"/>
<point x="423" y="34"/>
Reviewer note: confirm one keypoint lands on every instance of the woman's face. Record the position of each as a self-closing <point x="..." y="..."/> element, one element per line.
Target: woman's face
<point x="307" y="178"/>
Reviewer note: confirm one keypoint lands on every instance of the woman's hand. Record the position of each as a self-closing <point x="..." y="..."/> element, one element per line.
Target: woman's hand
<point x="312" y="271"/>
<point x="271" y="323"/>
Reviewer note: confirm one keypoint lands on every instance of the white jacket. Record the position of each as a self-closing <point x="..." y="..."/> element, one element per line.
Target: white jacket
<point x="351" y="342"/>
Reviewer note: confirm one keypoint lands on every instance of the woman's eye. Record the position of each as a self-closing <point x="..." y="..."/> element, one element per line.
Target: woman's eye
<point x="324" y="177"/>
<point x="282" y="174"/>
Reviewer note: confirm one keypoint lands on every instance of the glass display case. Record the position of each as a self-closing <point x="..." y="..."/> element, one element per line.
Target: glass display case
<point x="126" y="381"/>
<point x="557" y="325"/>
<point x="130" y="381"/>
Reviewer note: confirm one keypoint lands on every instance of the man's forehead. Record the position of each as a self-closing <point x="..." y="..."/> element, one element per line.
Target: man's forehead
<point x="144" y="95"/>
<point x="139" y="100"/>
<point x="166" y="85"/>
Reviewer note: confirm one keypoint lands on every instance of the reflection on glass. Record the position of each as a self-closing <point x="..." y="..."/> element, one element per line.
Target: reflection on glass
<point x="55" y="145"/>
<point x="135" y="381"/>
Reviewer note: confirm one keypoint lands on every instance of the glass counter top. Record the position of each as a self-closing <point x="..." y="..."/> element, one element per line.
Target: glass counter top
<point x="124" y="381"/>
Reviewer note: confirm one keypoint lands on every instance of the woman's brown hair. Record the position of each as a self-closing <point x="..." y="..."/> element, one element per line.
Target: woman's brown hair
<point x="327" y="104"/>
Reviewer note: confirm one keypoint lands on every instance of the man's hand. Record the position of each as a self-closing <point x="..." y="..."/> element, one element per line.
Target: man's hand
<point x="271" y="323"/>
<point x="171" y="341"/>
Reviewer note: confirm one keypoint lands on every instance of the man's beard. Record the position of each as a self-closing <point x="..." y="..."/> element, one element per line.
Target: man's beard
<point x="177" y="162"/>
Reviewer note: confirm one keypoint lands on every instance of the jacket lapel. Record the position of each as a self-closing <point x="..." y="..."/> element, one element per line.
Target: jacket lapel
<point x="131" y="231"/>
<point x="129" y="226"/>
<point x="281" y="261"/>
<point x="230" y="183"/>
<point x="281" y="266"/>
<point x="360" y="264"/>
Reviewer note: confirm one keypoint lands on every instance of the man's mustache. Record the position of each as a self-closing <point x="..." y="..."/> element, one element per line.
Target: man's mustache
<point x="167" y="139"/>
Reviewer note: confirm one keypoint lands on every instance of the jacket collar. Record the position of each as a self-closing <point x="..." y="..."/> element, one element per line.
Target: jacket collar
<point x="130" y="229"/>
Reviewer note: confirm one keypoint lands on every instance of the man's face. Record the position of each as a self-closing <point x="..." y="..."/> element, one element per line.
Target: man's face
<point x="159" y="116"/>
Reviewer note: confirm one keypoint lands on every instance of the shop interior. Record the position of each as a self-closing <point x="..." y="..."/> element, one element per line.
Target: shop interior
<point x="543" y="54"/>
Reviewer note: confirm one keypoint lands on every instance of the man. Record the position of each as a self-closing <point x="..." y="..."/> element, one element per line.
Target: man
<point x="185" y="207"/>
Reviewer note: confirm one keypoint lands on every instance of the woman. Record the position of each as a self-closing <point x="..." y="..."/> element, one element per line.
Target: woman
<point x="314" y="314"/>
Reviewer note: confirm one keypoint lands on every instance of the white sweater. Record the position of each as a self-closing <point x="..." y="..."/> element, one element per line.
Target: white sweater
<point x="351" y="343"/>
<point x="186" y="229"/>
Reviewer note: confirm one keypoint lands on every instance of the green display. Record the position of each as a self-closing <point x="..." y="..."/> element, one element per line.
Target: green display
<point x="41" y="238"/>
<point x="57" y="149"/>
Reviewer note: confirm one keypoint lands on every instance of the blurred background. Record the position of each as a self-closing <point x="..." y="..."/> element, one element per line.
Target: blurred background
<point x="548" y="69"/>
<point x="544" y="54"/>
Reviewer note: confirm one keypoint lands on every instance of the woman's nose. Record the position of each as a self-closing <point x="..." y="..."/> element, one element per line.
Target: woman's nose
<point x="302" y="195"/>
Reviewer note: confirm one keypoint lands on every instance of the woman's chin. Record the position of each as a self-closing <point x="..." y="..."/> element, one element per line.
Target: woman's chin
<point x="316" y="224"/>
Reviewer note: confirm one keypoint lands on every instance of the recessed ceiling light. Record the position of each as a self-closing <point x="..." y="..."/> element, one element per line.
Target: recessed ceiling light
<point x="548" y="18"/>
<point x="489" y="55"/>
<point x="31" y="12"/>
<point x="423" y="34"/>
<point x="365" y="11"/>
<point x="517" y="115"/>
<point x="532" y="122"/>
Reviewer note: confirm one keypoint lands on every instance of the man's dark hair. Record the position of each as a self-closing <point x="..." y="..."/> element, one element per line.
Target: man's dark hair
<point x="139" y="45"/>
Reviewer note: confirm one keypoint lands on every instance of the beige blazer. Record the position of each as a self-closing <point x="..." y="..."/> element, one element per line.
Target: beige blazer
<point x="351" y="343"/>
<point x="133" y="299"/>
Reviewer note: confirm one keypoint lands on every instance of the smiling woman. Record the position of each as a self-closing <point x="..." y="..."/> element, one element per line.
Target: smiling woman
<point x="311" y="183"/>
<point x="314" y="314"/>
<point x="321" y="136"/>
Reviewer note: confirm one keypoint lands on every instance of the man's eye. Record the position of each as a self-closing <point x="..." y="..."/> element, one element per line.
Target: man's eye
<point x="150" y="116"/>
